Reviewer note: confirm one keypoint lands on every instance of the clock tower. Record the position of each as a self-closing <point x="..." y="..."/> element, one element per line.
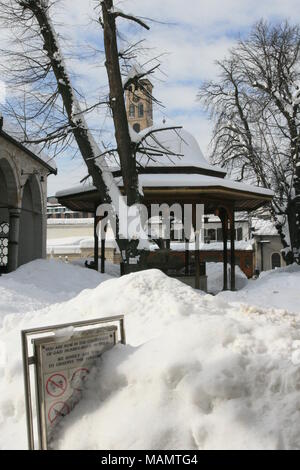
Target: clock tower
<point x="139" y="106"/>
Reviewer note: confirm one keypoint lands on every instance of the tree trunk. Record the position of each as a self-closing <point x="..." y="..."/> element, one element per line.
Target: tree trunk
<point x="99" y="171"/>
<point x="117" y="104"/>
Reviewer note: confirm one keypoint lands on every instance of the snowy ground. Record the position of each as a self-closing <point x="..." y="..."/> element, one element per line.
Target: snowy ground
<point x="198" y="372"/>
<point x="278" y="289"/>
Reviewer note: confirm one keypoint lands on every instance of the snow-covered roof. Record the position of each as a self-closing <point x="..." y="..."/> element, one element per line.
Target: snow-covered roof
<point x="15" y="134"/>
<point x="213" y="246"/>
<point x="81" y="188"/>
<point x="263" y="227"/>
<point x="195" y="180"/>
<point x="71" y="221"/>
<point x="183" y="145"/>
<point x="177" y="180"/>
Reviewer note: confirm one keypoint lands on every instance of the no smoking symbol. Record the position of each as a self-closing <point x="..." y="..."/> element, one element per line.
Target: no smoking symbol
<point x="58" y="410"/>
<point x="56" y="385"/>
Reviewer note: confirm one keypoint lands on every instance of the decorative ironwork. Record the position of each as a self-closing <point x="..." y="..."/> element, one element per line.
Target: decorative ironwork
<point x="4" y="232"/>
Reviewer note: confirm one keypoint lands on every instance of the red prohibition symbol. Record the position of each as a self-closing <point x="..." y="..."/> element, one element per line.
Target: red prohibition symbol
<point x="56" y="385"/>
<point x="60" y="409"/>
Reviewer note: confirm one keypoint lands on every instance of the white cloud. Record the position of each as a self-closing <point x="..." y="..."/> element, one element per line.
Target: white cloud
<point x="194" y="36"/>
<point x="70" y="172"/>
<point x="2" y="91"/>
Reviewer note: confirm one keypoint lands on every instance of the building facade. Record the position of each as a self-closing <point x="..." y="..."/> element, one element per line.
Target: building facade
<point x="139" y="106"/>
<point x="23" y="203"/>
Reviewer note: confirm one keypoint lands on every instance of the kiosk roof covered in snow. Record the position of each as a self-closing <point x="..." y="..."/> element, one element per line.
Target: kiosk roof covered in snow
<point x="172" y="169"/>
<point x="181" y="177"/>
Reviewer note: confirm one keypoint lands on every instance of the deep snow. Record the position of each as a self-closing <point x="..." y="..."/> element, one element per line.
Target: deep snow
<point x="198" y="371"/>
<point x="278" y="289"/>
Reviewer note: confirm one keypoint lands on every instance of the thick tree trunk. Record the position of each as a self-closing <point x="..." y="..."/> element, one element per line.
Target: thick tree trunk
<point x="98" y="168"/>
<point x="76" y="121"/>
<point x="99" y="171"/>
<point x="293" y="221"/>
<point x="117" y="104"/>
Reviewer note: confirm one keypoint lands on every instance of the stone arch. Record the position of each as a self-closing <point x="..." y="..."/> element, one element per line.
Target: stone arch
<point x="31" y="222"/>
<point x="8" y="185"/>
<point x="8" y="201"/>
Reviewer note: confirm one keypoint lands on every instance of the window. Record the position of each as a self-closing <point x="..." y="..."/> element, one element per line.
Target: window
<point x="209" y="235"/>
<point x="219" y="235"/>
<point x="239" y="234"/>
<point x="131" y="110"/>
<point x="136" y="127"/>
<point x="141" y="110"/>
<point x="276" y="260"/>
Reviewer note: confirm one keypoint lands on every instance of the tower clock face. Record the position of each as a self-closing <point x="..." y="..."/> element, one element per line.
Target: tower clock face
<point x="135" y="98"/>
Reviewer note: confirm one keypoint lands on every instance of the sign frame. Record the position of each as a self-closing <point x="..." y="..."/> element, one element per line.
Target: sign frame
<point x="32" y="360"/>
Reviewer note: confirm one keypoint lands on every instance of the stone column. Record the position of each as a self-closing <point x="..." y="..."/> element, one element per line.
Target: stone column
<point x="13" y="243"/>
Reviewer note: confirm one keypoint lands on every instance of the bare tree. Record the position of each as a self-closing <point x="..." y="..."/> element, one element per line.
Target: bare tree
<point x="255" y="104"/>
<point x="49" y="109"/>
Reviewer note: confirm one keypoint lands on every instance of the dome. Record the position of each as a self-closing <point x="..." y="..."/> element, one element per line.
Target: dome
<point x="171" y="148"/>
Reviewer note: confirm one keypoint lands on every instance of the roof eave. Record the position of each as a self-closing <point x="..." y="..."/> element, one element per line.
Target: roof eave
<point x="28" y="151"/>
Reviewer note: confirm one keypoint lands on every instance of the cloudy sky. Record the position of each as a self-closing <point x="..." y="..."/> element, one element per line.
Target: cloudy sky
<point x="191" y="35"/>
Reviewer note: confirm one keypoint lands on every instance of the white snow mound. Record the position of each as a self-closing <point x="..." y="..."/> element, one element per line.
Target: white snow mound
<point x="278" y="289"/>
<point x="197" y="372"/>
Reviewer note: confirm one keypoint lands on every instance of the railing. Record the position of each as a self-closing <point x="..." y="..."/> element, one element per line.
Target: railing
<point x="4" y="234"/>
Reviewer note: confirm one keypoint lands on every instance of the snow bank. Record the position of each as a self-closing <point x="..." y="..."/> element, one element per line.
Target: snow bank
<point x="214" y="273"/>
<point x="278" y="289"/>
<point x="197" y="372"/>
<point x="42" y="283"/>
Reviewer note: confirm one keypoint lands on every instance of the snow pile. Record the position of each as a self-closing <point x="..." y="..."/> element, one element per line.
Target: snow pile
<point x="214" y="273"/>
<point x="202" y="375"/>
<point x="40" y="284"/>
<point x="197" y="372"/>
<point x="278" y="289"/>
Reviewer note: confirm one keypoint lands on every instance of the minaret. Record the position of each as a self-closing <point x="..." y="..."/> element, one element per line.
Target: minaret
<point x="139" y="106"/>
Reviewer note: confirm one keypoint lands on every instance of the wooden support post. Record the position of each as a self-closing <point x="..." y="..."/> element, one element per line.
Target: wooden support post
<point x="103" y="255"/>
<point x="96" y="244"/>
<point x="197" y="274"/>
<point x="186" y="247"/>
<point x="232" y="250"/>
<point x="197" y="252"/>
<point x="186" y="258"/>
<point x="103" y="238"/>
<point x="224" y="219"/>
